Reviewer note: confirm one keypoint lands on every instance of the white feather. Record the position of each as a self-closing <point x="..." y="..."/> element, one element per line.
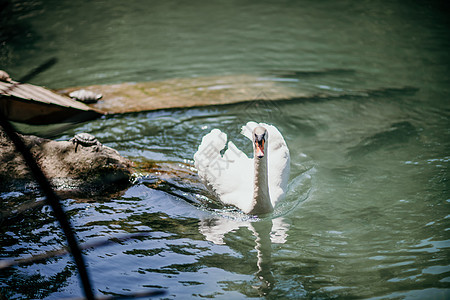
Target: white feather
<point x="232" y="176"/>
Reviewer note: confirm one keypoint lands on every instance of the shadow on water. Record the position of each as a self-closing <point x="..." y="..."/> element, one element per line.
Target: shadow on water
<point x="300" y="74"/>
<point x="396" y="135"/>
<point x="16" y="239"/>
<point x="15" y="32"/>
<point x="36" y="286"/>
<point x="360" y="94"/>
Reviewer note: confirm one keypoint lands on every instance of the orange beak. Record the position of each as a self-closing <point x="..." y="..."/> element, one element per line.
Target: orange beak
<point x="259" y="149"/>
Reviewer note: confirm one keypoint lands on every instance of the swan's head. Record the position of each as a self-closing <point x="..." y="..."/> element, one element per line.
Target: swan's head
<point x="260" y="136"/>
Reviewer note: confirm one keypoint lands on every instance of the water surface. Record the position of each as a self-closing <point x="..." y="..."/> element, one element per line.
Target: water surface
<point x="367" y="212"/>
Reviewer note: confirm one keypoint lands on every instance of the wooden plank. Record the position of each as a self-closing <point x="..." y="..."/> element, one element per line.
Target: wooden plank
<point x="39" y="94"/>
<point x="33" y="104"/>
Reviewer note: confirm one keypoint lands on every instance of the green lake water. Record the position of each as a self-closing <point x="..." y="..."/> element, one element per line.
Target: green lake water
<point x="368" y="208"/>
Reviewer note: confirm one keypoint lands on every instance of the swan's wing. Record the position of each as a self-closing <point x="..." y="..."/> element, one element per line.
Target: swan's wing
<point x="233" y="153"/>
<point x="236" y="187"/>
<point x="247" y="129"/>
<point x="209" y="152"/>
<point x="226" y="175"/>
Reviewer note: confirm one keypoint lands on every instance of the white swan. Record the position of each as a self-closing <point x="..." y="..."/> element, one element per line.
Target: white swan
<point x="253" y="185"/>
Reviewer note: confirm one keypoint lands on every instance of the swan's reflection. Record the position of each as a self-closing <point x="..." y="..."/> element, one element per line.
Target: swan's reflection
<point x="214" y="229"/>
<point x="266" y="232"/>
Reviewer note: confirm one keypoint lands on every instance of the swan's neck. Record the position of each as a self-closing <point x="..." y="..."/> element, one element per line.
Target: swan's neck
<point x="261" y="197"/>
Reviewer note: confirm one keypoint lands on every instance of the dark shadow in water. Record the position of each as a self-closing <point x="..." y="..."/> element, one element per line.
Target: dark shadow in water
<point x="24" y="235"/>
<point x="297" y="74"/>
<point x="398" y="133"/>
<point x="34" y="286"/>
<point x="15" y="31"/>
<point x="361" y="94"/>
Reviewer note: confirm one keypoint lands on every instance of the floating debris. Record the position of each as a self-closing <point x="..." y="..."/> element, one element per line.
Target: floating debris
<point x="5" y="76"/>
<point x="85" y="96"/>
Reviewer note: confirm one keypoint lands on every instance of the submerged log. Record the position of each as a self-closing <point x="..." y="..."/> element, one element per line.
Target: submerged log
<point x="186" y="92"/>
